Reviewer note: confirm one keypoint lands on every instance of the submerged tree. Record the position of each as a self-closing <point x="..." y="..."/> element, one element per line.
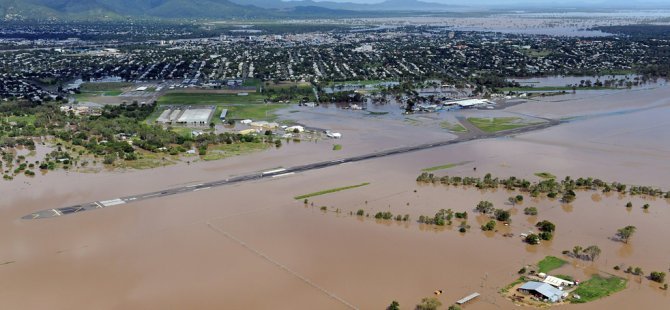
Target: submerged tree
<point x="626" y="233"/>
<point x="592" y="252"/>
<point x="429" y="303"/>
<point x="484" y="207"/>
<point x="394" y="306"/>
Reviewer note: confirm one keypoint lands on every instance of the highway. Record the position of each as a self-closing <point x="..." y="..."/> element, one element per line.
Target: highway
<point x="61" y="211"/>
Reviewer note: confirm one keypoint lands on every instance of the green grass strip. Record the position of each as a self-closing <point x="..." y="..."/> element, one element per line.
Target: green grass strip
<point x="328" y="191"/>
<point x="550" y="263"/>
<point x="442" y="167"/>
<point x="598" y="287"/>
<point x="545" y="175"/>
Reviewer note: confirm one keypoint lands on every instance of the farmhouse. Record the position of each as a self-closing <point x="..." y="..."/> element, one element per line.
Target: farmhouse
<point x="543" y="291"/>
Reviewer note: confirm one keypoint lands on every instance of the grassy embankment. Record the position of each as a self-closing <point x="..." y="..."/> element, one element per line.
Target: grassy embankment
<point x="328" y="191"/>
<point x="358" y="82"/>
<point x="239" y="107"/>
<point x="442" y="167"/>
<point x="550" y="263"/>
<point x="497" y="123"/>
<point x="598" y="287"/>
<point x="457" y="127"/>
<point x="545" y="175"/>
<point x="222" y="151"/>
<point x="91" y="90"/>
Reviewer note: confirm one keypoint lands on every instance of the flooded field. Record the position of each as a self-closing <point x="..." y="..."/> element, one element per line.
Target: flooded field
<point x="254" y="246"/>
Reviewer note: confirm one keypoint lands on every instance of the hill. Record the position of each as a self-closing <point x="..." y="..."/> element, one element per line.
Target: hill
<point x="388" y="5"/>
<point x="37" y="9"/>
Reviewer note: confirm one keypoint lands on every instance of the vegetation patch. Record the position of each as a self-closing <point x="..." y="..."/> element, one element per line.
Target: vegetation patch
<point x="442" y="167"/>
<point x="186" y="98"/>
<point x="221" y="151"/>
<point x="452" y="127"/>
<point x="337" y="147"/>
<point x="598" y="287"/>
<point x="332" y="190"/>
<point x="511" y="285"/>
<point x="254" y="111"/>
<point x="550" y="263"/>
<point x="497" y="123"/>
<point x="545" y="175"/>
<point x="104" y="87"/>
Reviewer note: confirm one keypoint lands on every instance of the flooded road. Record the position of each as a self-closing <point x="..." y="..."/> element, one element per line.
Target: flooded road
<point x="253" y="246"/>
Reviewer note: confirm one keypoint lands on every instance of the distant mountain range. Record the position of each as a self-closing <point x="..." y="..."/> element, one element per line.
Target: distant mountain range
<point x="388" y="5"/>
<point x="249" y="9"/>
<point x="117" y="8"/>
<point x="212" y="9"/>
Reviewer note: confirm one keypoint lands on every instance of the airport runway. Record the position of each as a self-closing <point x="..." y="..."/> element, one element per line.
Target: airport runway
<point x="61" y="211"/>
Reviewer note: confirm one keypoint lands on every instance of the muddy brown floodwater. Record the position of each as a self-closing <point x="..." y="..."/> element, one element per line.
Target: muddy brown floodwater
<point x="252" y="246"/>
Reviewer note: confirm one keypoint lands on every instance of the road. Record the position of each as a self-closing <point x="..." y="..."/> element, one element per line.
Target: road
<point x="61" y="211"/>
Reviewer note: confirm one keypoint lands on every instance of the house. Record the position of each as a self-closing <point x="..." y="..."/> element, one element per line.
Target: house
<point x="557" y="282"/>
<point x="543" y="291"/>
<point x="334" y="135"/>
<point x="224" y="112"/>
<point x="295" y="129"/>
<point x="264" y="125"/>
<point x="248" y="131"/>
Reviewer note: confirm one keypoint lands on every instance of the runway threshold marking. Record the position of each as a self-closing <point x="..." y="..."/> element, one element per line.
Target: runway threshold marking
<point x="112" y="202"/>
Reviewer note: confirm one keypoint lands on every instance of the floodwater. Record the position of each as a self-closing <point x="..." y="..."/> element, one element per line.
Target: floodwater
<point x="253" y="246"/>
<point x="561" y="80"/>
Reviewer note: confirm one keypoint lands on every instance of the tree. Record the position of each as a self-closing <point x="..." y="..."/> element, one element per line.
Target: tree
<point x="530" y="211"/>
<point x="569" y="196"/>
<point x="491" y="225"/>
<point x="577" y="251"/>
<point x="592" y="252"/>
<point x="484" y="207"/>
<point x="429" y="303"/>
<point x="657" y="276"/>
<point x="546" y="235"/>
<point x="624" y="234"/>
<point x="546" y="226"/>
<point x="454" y="307"/>
<point x="532" y="239"/>
<point x="515" y="199"/>
<point x="502" y="215"/>
<point x="394" y="306"/>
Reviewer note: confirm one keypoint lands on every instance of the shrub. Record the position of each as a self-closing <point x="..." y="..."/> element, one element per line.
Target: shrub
<point x="491" y="225"/>
<point x="530" y="211"/>
<point x="657" y="276"/>
<point x="532" y="239"/>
